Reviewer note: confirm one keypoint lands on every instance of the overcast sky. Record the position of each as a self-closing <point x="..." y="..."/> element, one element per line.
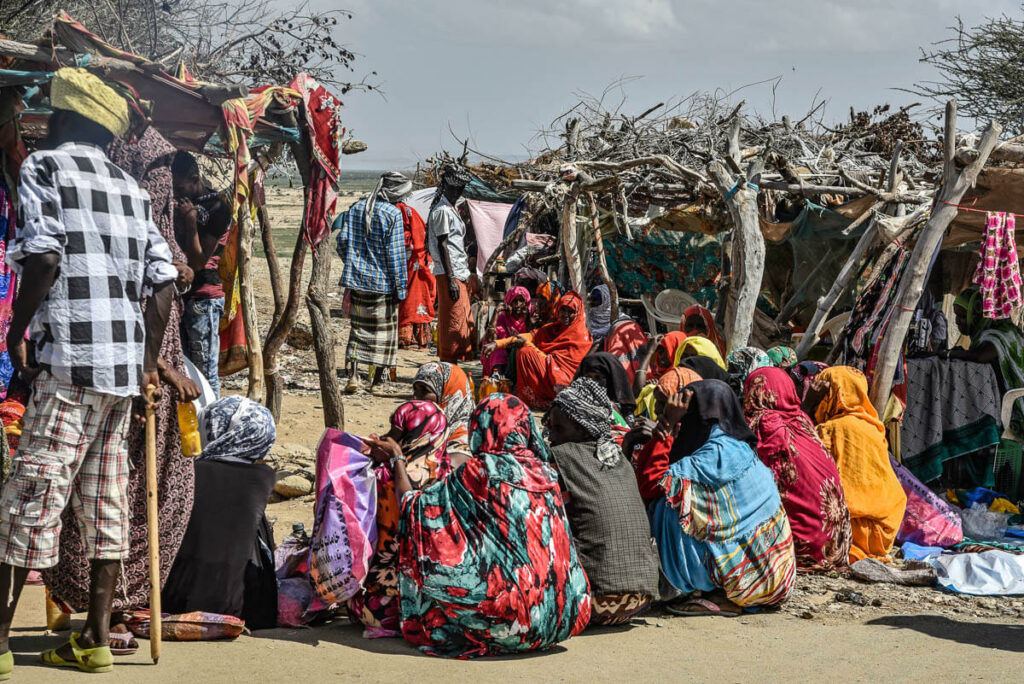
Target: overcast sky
<point x="498" y="72"/>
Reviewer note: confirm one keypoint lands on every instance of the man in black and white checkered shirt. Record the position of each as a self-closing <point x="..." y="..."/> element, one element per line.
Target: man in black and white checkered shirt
<point x="87" y="252"/>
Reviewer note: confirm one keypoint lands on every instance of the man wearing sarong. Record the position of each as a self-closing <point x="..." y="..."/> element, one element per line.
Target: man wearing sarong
<point x="371" y="241"/>
<point x="86" y="252"/>
<point x="446" y="241"/>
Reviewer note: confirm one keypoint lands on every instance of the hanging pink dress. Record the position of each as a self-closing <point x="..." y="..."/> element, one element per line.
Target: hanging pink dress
<point x="998" y="274"/>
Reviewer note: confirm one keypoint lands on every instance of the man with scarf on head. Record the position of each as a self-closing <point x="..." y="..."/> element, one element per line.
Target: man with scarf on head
<point x="86" y="252"/>
<point x="446" y="241"/>
<point x="371" y="242"/>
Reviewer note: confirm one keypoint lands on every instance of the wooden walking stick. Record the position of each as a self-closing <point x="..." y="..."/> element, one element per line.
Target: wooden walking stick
<point x="153" y="523"/>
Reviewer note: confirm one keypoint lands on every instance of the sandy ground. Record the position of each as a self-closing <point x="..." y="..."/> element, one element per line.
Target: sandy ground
<point x="909" y="634"/>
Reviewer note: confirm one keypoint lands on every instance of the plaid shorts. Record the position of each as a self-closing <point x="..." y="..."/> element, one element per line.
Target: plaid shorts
<point x="73" y="446"/>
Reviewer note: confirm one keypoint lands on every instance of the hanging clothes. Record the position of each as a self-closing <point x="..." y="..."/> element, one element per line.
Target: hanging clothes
<point x="8" y="283"/>
<point x="998" y="274"/>
<point x="416" y="311"/>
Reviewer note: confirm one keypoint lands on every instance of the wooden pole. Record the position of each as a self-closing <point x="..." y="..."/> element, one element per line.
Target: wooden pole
<point x="323" y="336"/>
<point x="602" y="262"/>
<point x="267" y="235"/>
<point x="248" y="304"/>
<point x="280" y="329"/>
<point x="570" y="243"/>
<point x="954" y="186"/>
<point x="153" y="528"/>
<point x="748" y="253"/>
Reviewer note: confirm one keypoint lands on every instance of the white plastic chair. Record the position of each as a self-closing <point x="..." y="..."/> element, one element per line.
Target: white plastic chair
<point x="1006" y="415"/>
<point x="666" y="308"/>
<point x="835" y="325"/>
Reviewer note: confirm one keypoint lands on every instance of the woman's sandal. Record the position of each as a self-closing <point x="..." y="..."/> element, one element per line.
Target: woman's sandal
<point x="703" y="607"/>
<point x="123" y="643"/>
<point x="97" y="659"/>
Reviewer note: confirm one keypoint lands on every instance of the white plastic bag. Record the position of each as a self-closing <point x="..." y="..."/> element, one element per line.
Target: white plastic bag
<point x="981" y="524"/>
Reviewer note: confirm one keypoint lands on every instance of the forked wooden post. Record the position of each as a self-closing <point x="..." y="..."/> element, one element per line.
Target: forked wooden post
<point x="323" y="336"/>
<point x="248" y="304"/>
<point x="954" y="186"/>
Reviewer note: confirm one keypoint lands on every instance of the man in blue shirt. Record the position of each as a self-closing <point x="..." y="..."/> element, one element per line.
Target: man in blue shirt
<point x="371" y="242"/>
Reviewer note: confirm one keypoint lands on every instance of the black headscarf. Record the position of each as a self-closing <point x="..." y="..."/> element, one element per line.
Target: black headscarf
<point x="706" y="368"/>
<point x="713" y="403"/>
<point x="613" y="378"/>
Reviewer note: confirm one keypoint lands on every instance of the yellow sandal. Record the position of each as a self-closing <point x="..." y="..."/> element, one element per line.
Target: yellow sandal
<point x="6" y="665"/>
<point x="98" y="659"/>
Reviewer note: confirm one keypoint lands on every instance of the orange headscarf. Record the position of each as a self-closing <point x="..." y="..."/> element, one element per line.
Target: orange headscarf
<point x="670" y="343"/>
<point x="709" y="323"/>
<point x="849" y="428"/>
<point x="677" y="378"/>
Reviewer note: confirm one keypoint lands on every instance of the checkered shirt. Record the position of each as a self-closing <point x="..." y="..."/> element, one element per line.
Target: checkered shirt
<point x="76" y="203"/>
<point x="375" y="259"/>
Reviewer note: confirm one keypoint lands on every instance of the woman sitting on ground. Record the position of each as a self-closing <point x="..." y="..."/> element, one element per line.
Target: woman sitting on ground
<point x="696" y="345"/>
<point x="512" y="319"/>
<point x="721" y="528"/>
<point x="652" y="461"/>
<point x="599" y="316"/>
<point x="806" y="475"/>
<point x="419" y="433"/>
<point x="449" y="387"/>
<point x="782" y="357"/>
<point x="627" y="342"/>
<point x="546" y="359"/>
<point x="606" y="516"/>
<point x="746" y="360"/>
<point x="224" y="564"/>
<point x="606" y="370"/>
<point x="487" y="563"/>
<point x="697" y="320"/>
<point x="660" y="357"/>
<point x="849" y="427"/>
<point x="999" y="343"/>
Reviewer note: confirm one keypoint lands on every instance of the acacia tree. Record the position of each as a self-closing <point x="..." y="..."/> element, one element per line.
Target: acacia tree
<point x="982" y="67"/>
<point x="225" y="41"/>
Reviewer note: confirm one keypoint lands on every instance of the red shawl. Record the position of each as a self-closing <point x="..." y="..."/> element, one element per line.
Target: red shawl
<point x="418" y="305"/>
<point x="566" y="344"/>
<point x="670" y="343"/>
<point x="807" y="477"/>
<point x="709" y="323"/>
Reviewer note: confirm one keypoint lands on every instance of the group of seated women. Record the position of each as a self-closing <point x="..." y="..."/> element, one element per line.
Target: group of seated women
<point x="730" y="475"/>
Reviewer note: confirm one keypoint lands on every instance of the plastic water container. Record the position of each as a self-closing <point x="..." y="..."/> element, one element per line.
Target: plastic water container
<point x="191" y="443"/>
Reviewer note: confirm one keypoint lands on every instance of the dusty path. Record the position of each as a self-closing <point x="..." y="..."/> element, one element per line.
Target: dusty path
<point x="770" y="647"/>
<point x="907" y="634"/>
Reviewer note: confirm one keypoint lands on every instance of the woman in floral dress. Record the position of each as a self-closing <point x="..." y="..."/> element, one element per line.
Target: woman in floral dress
<point x="806" y="475"/>
<point x="487" y="563"/>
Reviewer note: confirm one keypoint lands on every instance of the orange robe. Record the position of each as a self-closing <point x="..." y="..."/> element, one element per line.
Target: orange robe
<point x="849" y="427"/>
<point x="549" y="363"/>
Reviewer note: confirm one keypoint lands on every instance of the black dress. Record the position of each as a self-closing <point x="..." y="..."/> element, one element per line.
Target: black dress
<point x="225" y="564"/>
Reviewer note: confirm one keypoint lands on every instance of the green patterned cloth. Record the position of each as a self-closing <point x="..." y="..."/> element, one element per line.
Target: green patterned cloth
<point x="665" y="260"/>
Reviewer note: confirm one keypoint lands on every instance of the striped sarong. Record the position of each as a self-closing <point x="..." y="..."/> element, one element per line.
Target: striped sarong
<point x="373" y="335"/>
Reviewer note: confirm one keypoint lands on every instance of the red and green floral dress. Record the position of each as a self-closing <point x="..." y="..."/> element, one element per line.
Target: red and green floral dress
<point x="488" y="566"/>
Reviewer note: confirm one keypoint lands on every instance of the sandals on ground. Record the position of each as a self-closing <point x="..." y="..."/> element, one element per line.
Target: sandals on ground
<point x="701" y="606"/>
<point x="123" y="643"/>
<point x="97" y="659"/>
